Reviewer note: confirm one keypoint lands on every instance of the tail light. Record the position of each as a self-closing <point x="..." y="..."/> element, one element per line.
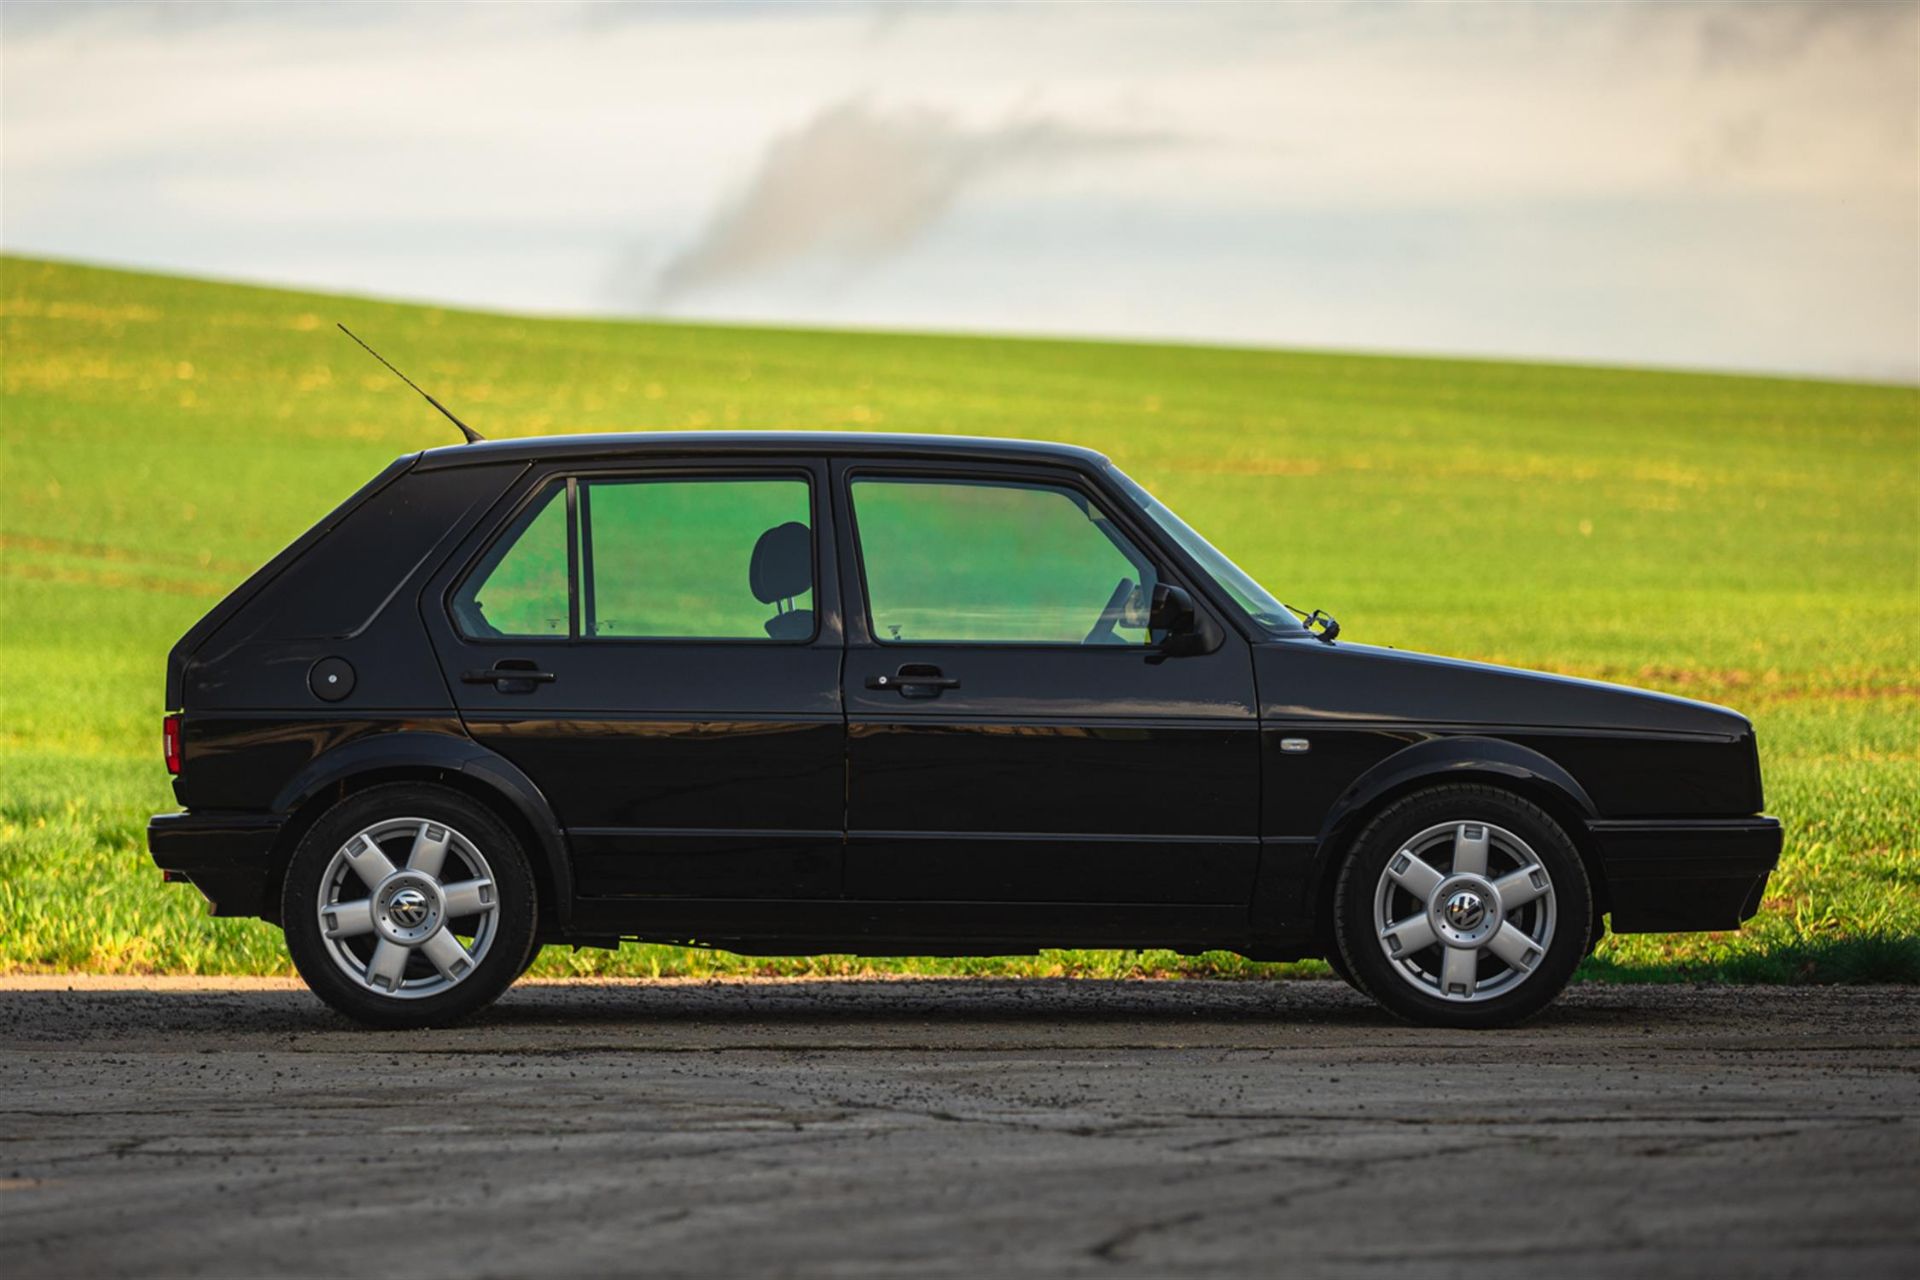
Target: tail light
<point x="170" y="739"/>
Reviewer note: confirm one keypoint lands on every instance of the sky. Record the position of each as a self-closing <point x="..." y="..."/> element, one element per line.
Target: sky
<point x="1722" y="186"/>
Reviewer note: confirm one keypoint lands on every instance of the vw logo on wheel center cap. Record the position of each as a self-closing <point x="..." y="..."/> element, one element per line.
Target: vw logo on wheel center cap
<point x="408" y="908"/>
<point x="1465" y="910"/>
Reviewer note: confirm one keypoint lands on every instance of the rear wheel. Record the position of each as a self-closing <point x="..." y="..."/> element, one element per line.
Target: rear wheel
<point x="408" y="905"/>
<point x="1463" y="906"/>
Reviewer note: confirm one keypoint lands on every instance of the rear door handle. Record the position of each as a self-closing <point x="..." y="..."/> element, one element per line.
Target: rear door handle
<point x="508" y="673"/>
<point x="914" y="680"/>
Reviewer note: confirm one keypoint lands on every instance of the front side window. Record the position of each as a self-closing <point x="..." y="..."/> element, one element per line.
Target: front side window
<point x="974" y="561"/>
<point x="679" y="559"/>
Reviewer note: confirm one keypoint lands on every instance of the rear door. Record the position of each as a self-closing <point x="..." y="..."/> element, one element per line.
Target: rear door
<point x="659" y="649"/>
<point x="1013" y="734"/>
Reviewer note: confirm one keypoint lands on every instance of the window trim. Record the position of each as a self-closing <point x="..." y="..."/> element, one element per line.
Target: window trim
<point x="573" y="559"/>
<point x="934" y="473"/>
<point x="572" y="482"/>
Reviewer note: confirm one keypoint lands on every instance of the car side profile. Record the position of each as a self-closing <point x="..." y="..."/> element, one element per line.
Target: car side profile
<point x="792" y="693"/>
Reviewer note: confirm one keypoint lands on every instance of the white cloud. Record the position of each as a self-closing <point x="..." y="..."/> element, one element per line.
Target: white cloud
<point x="858" y="185"/>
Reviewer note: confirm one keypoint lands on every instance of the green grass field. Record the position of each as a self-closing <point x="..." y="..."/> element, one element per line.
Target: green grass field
<point x="1745" y="540"/>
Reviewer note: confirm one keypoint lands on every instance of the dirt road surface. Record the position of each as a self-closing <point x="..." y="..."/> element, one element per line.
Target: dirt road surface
<point x="957" y="1128"/>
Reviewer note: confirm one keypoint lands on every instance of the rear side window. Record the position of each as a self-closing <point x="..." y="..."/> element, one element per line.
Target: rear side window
<point x="721" y="558"/>
<point x="968" y="561"/>
<point x="523" y="592"/>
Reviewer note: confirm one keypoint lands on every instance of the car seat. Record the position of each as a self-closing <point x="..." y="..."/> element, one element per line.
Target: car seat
<point x="781" y="571"/>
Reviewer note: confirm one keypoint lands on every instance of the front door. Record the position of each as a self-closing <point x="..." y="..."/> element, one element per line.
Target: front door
<point x="1013" y="733"/>
<point x="660" y="651"/>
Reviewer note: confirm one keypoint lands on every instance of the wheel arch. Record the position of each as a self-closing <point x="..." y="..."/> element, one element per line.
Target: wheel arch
<point x="458" y="764"/>
<point x="1439" y="762"/>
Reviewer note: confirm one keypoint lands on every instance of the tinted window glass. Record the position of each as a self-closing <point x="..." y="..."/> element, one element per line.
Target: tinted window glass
<point x="344" y="582"/>
<point x="975" y="561"/>
<point x="706" y="559"/>
<point x="691" y="559"/>
<point x="521" y="588"/>
<point x="1253" y="599"/>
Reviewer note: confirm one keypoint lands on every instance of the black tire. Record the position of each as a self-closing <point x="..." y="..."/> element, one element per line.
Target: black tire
<point x="533" y="953"/>
<point x="1338" y="963"/>
<point x="510" y="930"/>
<point x="1409" y="985"/>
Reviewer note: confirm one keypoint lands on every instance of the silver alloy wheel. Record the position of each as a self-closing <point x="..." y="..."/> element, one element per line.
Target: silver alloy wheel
<point x="1464" y="911"/>
<point x="395" y="928"/>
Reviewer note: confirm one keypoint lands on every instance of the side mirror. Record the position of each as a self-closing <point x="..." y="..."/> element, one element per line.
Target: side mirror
<point x="1172" y="611"/>
<point x="1182" y="628"/>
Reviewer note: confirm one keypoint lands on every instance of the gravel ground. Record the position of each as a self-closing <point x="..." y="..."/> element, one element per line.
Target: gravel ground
<point x="956" y="1128"/>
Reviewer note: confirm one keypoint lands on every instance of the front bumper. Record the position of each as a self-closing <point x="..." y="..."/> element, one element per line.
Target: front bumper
<point x="226" y="856"/>
<point x="1673" y="876"/>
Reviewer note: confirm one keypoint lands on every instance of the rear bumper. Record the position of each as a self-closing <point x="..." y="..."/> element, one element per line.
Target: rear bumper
<point x="1667" y="876"/>
<point x="226" y="856"/>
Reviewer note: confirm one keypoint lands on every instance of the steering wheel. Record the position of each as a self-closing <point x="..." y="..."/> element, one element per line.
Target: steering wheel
<point x="1102" y="632"/>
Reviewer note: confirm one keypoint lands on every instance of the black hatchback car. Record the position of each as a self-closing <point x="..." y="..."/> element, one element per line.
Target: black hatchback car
<point x="796" y="693"/>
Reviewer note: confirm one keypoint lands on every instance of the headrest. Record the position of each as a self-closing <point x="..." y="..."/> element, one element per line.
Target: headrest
<point x="782" y="565"/>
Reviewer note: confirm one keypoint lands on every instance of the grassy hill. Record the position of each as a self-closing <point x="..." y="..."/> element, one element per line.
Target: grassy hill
<point x="1747" y="540"/>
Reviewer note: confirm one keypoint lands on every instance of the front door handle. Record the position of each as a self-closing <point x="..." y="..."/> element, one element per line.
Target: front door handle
<point x="914" y="680"/>
<point x="509" y="675"/>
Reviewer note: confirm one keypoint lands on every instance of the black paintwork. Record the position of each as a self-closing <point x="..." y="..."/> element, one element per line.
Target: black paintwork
<point x="766" y="798"/>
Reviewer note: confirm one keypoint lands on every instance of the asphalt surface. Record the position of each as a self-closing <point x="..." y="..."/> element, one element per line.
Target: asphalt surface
<point x="958" y="1128"/>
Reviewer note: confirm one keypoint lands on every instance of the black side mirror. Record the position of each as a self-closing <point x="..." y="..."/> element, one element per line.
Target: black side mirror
<point x="1172" y="611"/>
<point x="1181" y="627"/>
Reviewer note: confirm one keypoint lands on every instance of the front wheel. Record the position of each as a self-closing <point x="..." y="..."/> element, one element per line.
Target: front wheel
<point x="1463" y="906"/>
<point x="408" y="905"/>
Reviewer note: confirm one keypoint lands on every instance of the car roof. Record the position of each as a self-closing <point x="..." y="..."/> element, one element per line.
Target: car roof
<point x="709" y="443"/>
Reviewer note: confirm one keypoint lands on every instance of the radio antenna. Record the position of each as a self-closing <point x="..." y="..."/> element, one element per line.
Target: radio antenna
<point x="473" y="437"/>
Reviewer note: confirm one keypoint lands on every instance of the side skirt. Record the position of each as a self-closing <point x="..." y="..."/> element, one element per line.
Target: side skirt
<point x="801" y="927"/>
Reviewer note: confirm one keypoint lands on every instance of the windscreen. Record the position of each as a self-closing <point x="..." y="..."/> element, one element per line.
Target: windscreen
<point x="1254" y="600"/>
